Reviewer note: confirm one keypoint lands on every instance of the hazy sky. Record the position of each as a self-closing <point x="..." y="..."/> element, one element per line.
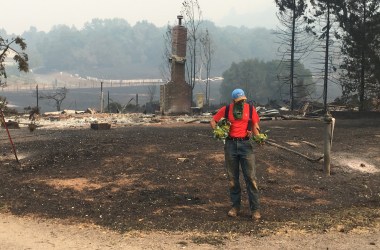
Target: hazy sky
<point x="17" y="17"/>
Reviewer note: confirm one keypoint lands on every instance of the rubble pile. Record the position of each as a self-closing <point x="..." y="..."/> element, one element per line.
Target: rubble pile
<point x="79" y="120"/>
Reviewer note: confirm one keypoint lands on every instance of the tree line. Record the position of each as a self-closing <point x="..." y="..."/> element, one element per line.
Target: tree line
<point x="113" y="49"/>
<point x="347" y="33"/>
<point x="344" y="32"/>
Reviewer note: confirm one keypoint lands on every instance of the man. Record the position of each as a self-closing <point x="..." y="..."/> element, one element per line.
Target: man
<point x="238" y="151"/>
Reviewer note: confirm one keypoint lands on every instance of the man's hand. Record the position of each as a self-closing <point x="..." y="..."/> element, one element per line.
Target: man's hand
<point x="260" y="138"/>
<point x="249" y="134"/>
<point x="222" y="129"/>
<point x="213" y="124"/>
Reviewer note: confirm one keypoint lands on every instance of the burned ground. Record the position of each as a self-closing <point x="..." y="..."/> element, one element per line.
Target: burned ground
<point x="170" y="177"/>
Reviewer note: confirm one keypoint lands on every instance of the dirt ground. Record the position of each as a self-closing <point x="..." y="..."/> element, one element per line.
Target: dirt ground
<point x="162" y="185"/>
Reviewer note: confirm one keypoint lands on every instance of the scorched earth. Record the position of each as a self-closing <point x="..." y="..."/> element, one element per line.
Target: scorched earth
<point x="165" y="175"/>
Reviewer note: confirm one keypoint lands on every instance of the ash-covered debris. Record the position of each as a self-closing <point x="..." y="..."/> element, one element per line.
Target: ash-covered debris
<point x="65" y="120"/>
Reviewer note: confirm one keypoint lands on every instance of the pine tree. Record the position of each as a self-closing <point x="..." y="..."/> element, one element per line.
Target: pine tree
<point x="294" y="43"/>
<point x="324" y="12"/>
<point x="360" y="20"/>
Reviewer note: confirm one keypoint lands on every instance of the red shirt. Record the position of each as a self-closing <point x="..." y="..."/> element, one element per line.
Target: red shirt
<point x="238" y="127"/>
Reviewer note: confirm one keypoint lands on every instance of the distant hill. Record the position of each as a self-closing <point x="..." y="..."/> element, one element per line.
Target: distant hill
<point x="114" y="49"/>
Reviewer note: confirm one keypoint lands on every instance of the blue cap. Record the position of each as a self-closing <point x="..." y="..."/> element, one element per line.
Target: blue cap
<point x="238" y="95"/>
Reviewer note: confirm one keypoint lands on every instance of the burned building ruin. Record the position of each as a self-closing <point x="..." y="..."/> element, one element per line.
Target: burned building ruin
<point x="175" y="96"/>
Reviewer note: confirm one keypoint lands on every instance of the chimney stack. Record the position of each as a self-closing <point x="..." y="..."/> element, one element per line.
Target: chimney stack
<point x="175" y="96"/>
<point x="180" y="20"/>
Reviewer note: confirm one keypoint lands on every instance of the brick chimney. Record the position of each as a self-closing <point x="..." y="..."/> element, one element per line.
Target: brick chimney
<point x="176" y="94"/>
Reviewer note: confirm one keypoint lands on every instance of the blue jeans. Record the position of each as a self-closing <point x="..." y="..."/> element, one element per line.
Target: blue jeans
<point x="240" y="153"/>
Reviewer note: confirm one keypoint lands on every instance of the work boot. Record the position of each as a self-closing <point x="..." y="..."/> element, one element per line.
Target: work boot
<point x="256" y="215"/>
<point x="233" y="212"/>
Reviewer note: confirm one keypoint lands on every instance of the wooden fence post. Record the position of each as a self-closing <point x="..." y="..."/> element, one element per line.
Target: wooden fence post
<point x="329" y="129"/>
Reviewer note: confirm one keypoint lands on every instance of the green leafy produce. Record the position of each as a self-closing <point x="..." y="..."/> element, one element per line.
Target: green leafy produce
<point x="222" y="129"/>
<point x="260" y="138"/>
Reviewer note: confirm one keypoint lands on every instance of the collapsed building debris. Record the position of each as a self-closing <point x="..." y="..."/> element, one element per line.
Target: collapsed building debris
<point x="10" y="124"/>
<point x="100" y="126"/>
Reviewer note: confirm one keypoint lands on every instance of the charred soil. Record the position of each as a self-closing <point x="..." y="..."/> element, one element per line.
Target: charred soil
<point x="170" y="178"/>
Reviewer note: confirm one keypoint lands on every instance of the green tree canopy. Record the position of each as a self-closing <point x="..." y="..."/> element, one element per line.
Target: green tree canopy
<point x="260" y="81"/>
<point x="12" y="48"/>
<point x="361" y="45"/>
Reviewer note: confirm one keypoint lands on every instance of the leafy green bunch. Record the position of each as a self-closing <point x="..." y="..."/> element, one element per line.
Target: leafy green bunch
<point x="260" y="138"/>
<point x="222" y="129"/>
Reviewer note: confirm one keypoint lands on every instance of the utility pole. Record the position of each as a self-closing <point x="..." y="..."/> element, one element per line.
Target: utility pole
<point x="37" y="97"/>
<point x="108" y="101"/>
<point x="101" y="97"/>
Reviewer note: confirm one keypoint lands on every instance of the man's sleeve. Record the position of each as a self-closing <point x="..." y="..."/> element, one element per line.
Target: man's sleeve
<point x="220" y="114"/>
